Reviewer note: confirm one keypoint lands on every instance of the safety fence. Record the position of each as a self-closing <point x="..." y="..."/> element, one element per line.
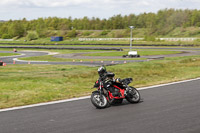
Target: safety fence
<point x="107" y="39"/>
<point x="137" y="39"/>
<point x="177" y="39"/>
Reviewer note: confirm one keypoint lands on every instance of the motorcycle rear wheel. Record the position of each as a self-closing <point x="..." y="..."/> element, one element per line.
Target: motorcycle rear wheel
<point x="133" y="96"/>
<point x="98" y="101"/>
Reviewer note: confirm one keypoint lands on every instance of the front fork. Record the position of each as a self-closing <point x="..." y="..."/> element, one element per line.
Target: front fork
<point x="101" y="91"/>
<point x="107" y="96"/>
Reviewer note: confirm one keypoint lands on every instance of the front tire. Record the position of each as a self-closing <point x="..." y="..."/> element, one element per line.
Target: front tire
<point x="133" y="95"/>
<point x="98" y="101"/>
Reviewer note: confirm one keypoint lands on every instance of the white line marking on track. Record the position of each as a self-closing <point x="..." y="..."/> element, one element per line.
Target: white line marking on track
<point x="86" y="97"/>
<point x="42" y="104"/>
<point x="178" y="82"/>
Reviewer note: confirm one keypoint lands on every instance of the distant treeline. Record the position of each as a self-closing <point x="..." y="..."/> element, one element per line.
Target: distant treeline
<point x="159" y="23"/>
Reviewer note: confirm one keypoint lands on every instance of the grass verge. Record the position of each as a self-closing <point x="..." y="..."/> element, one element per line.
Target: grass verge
<point x="8" y="54"/>
<point x="140" y="52"/>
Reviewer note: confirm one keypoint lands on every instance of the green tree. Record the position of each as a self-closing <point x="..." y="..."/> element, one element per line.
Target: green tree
<point x="16" y="29"/>
<point x="32" y="36"/>
<point x="41" y="27"/>
<point x="72" y="33"/>
<point x="6" y="36"/>
<point x="3" y="29"/>
<point x="195" y="18"/>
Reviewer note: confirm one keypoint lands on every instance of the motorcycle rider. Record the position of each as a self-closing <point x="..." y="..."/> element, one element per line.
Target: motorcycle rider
<point x="108" y="80"/>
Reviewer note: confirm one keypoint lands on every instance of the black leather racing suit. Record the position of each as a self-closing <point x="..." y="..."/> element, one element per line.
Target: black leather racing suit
<point x="108" y="81"/>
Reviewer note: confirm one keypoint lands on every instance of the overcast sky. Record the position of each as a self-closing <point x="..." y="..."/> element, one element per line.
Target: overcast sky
<point x="33" y="9"/>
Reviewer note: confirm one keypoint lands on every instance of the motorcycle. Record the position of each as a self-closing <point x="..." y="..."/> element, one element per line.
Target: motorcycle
<point x="102" y="97"/>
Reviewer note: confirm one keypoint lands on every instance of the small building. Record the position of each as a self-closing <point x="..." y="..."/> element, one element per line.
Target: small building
<point x="56" y="38"/>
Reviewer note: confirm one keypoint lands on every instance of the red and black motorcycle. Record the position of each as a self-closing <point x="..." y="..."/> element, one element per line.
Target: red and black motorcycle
<point x="103" y="97"/>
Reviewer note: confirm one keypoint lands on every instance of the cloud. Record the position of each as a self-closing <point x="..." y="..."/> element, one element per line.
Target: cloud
<point x="98" y="3"/>
<point x="43" y="3"/>
<point x="116" y="3"/>
<point x="15" y="9"/>
<point x="63" y="3"/>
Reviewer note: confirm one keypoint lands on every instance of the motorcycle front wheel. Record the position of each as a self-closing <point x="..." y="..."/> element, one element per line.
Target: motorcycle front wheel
<point x="133" y="96"/>
<point x="98" y="101"/>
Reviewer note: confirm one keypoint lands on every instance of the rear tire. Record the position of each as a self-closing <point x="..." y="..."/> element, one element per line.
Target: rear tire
<point x="98" y="102"/>
<point x="133" y="96"/>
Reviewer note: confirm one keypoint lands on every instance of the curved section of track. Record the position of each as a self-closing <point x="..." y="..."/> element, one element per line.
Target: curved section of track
<point x="11" y="59"/>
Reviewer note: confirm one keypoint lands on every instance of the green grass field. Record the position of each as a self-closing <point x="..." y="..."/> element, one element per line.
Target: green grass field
<point x="8" y="54"/>
<point x="140" y="52"/>
<point x="29" y="84"/>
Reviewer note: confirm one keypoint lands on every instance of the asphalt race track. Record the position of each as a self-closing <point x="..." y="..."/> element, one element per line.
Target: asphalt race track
<point x="166" y="109"/>
<point x="9" y="60"/>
